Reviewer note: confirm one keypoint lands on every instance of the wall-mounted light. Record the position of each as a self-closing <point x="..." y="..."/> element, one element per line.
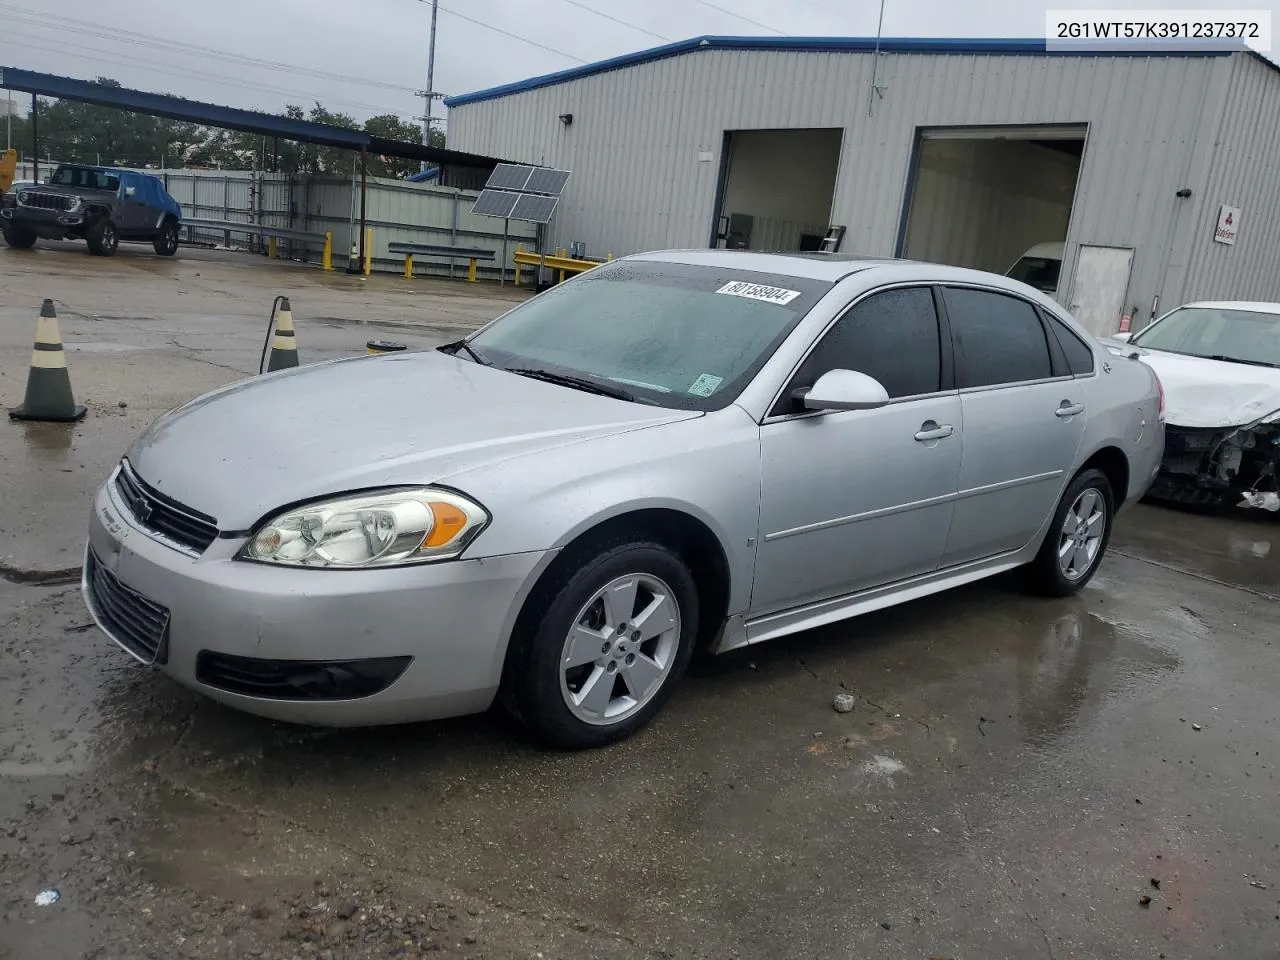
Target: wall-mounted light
<point x="566" y="118"/>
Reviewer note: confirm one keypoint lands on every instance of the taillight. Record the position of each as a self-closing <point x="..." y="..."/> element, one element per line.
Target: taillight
<point x="1160" y="390"/>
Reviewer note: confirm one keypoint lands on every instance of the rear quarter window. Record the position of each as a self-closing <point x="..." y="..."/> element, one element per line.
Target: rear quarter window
<point x="1078" y="353"/>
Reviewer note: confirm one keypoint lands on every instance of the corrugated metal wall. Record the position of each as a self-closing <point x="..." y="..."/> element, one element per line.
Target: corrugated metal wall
<point x="645" y="141"/>
<point x="1244" y="173"/>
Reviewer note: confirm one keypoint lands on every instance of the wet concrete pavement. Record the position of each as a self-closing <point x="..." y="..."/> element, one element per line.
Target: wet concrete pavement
<point x="1018" y="774"/>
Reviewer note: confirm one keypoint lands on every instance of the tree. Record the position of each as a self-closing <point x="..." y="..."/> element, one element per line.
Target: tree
<point x="390" y="127"/>
<point x="76" y="132"/>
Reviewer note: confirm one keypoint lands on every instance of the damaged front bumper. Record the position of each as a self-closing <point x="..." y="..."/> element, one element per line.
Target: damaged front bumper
<point x="1217" y="466"/>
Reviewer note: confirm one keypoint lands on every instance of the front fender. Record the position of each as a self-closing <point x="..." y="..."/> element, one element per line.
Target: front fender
<point x="707" y="468"/>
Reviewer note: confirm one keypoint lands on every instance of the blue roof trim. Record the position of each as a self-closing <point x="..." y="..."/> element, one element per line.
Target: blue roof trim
<point x="826" y="45"/>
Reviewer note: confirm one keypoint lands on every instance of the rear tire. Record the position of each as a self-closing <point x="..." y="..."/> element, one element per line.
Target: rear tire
<point x="1077" y="539"/>
<point x="102" y="238"/>
<point x="18" y="238"/>
<point x="166" y="241"/>
<point x="626" y="610"/>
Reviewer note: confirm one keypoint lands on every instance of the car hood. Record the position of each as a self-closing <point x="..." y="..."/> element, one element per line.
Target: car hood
<point x="1213" y="393"/>
<point x="246" y="450"/>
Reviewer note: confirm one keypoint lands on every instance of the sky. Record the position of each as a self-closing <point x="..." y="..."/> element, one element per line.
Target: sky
<point x="370" y="57"/>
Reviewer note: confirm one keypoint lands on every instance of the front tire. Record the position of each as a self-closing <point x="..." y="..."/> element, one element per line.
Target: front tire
<point x="601" y="643"/>
<point x="103" y="238"/>
<point x="18" y="238"/>
<point x="1077" y="539"/>
<point x="166" y="241"/>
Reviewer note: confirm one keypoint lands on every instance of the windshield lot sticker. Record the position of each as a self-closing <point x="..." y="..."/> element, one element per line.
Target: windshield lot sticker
<point x="706" y="384"/>
<point x="758" y="291"/>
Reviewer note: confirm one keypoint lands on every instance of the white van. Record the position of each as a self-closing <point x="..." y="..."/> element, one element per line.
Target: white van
<point x="1039" y="267"/>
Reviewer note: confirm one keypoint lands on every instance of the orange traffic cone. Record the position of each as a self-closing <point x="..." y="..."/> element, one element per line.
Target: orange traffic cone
<point x="48" y="384"/>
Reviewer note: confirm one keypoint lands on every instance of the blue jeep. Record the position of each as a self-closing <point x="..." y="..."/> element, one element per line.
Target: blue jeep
<point x="100" y="205"/>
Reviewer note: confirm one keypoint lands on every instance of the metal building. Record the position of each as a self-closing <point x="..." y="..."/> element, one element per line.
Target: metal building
<point x="1128" y="166"/>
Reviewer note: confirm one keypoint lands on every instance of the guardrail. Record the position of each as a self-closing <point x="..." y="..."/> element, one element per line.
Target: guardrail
<point x="558" y="261"/>
<point x="267" y="232"/>
<point x="452" y="252"/>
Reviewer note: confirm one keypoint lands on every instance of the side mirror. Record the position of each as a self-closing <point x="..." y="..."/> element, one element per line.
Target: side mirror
<point x="1122" y="337"/>
<point x="843" y="390"/>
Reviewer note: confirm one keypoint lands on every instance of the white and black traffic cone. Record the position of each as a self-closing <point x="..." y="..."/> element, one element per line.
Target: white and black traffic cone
<point x="284" y="346"/>
<point x="48" y="384"/>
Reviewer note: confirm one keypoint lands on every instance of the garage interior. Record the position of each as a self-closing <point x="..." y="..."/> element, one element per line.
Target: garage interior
<point x="982" y="197"/>
<point x="776" y="188"/>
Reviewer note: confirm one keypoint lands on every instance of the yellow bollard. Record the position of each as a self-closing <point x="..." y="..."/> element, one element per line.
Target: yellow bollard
<point x="326" y="258"/>
<point x="368" y="251"/>
<point x="471" y="271"/>
<point x="519" y="250"/>
<point x="408" y="266"/>
<point x="611" y="258"/>
<point x="271" y="248"/>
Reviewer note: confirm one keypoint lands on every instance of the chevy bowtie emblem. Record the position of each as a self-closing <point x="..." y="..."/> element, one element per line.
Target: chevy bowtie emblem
<point x="143" y="509"/>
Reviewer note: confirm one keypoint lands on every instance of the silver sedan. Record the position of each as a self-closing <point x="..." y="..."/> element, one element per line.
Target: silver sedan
<point x="682" y="450"/>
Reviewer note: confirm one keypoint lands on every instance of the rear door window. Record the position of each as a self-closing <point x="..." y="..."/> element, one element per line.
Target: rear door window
<point x="997" y="339"/>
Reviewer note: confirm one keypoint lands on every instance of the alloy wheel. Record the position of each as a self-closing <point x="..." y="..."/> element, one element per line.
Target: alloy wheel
<point x="620" y="649"/>
<point x="1080" y="540"/>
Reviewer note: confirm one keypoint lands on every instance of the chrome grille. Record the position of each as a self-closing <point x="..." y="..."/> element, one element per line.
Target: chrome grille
<point x="136" y="623"/>
<point x="164" y="515"/>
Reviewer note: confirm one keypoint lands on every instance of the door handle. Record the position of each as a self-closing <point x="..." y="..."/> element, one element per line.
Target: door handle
<point x="1069" y="409"/>
<point x="929" y="430"/>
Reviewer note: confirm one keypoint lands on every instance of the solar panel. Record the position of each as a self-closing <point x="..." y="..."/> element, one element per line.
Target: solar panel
<point x="546" y="180"/>
<point x="495" y="203"/>
<point x="509" y="176"/>
<point x="534" y="208"/>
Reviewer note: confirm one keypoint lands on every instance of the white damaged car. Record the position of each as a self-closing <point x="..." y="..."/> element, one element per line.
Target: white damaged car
<point x="1219" y="363"/>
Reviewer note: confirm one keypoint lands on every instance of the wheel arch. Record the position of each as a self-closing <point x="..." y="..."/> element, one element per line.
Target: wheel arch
<point x="676" y="527"/>
<point x="1114" y="464"/>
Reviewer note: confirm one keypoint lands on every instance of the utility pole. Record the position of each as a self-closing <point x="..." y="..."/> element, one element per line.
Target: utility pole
<point x="430" y="94"/>
<point x="8" y="124"/>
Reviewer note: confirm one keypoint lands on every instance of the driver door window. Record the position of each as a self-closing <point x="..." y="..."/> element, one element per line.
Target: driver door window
<point x="891" y="336"/>
<point x="859" y="498"/>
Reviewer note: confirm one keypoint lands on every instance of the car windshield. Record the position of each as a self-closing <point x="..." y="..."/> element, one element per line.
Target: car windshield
<point x="1038" y="272"/>
<point x="673" y="335"/>
<point x="1241" y="336"/>
<point x="85" y="179"/>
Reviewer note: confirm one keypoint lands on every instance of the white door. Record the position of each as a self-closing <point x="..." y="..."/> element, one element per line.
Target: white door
<point x="1100" y="286"/>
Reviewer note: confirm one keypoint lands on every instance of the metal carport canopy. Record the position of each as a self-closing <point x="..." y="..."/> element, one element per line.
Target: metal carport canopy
<point x="232" y="118"/>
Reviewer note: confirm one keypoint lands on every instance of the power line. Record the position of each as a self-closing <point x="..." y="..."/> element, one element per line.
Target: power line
<point x="506" y="33"/>
<point x="599" y="13"/>
<point x="739" y="16"/>
<point x="106" y="32"/>
<point x="124" y="60"/>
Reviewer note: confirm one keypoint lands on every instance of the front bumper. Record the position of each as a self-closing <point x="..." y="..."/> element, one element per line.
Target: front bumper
<point x="452" y="618"/>
<point x="1212" y="466"/>
<point x="49" y="224"/>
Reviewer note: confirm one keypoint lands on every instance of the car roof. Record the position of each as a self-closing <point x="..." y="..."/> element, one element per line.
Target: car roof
<point x="1050" y="249"/>
<point x="831" y="267"/>
<point x="1251" y="306"/>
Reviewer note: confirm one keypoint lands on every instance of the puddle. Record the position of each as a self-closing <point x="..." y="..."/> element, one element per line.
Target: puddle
<point x="1077" y="664"/>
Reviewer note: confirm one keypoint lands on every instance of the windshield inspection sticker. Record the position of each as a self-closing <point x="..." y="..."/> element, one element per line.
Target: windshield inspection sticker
<point x="706" y="384"/>
<point x="758" y="291"/>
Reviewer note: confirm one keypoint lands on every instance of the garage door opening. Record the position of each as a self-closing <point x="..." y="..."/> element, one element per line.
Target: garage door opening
<point x="996" y="199"/>
<point x="776" y="188"/>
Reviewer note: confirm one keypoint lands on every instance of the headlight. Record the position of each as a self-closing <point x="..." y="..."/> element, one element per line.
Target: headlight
<point x="74" y="203"/>
<point x="377" y="530"/>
